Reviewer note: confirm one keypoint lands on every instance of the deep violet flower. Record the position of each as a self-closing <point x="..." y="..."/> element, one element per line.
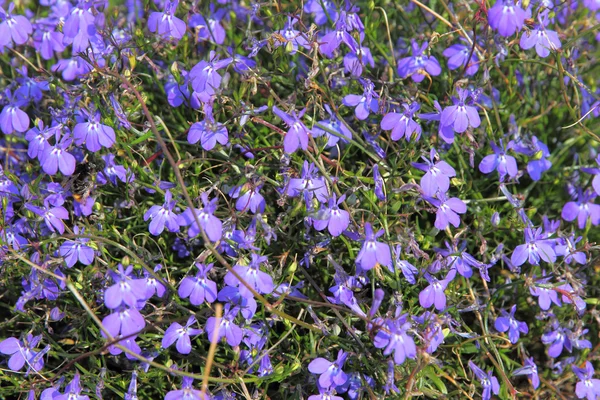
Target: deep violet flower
<point x="199" y="288"/>
<point x="330" y="373"/>
<point x="55" y="158"/>
<point x="437" y="174"/>
<point x="379" y="183"/>
<point x="123" y="321"/>
<point x="309" y="184"/>
<point x="333" y="124"/>
<point x="372" y="251"/>
<point x="596" y="173"/>
<point x="488" y="381"/>
<point x="53" y="216"/>
<point x="364" y="104"/>
<point x="446" y="133"/>
<point x="205" y="78"/>
<point x="419" y="64"/>
<point x="166" y="24"/>
<point x="323" y="10"/>
<point x="403" y="125"/>
<point x="332" y="40"/>
<point x="355" y="62"/>
<point x="181" y="334"/>
<point x="297" y="135"/>
<point x="461" y="115"/>
<point x="162" y="216"/>
<point x="545" y="293"/>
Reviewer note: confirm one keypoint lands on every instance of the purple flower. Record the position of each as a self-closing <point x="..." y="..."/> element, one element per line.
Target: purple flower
<point x="310" y="184"/>
<point x="208" y="132"/>
<point x="210" y="28"/>
<point x="293" y="39"/>
<point x="22" y="353"/>
<point x="488" y="381"/>
<point x="372" y="251"/>
<point x="252" y="275"/>
<point x="354" y="62"/>
<point x="162" y="216"/>
<point x="330" y="373"/>
<point x="508" y="323"/>
<point x="461" y="115"/>
<point x="72" y="68"/>
<point x="112" y="171"/>
<point x="596" y="172"/>
<point x="505" y="164"/>
<point x="55" y="158"/>
<point x="379" y="183"/>
<point x="166" y="24"/>
<point x="73" y="390"/>
<point x="543" y="39"/>
<point x="446" y="133"/>
<point x="437" y="174"/>
<point x="447" y="210"/>
<point x="132" y="389"/>
<point x="205" y="77"/>
<point x="434" y="293"/>
<point x="47" y="41"/>
<point x="79" y="27"/>
<point x="545" y="293"/>
<point x="431" y="330"/>
<point x="210" y="224"/>
<point x="529" y="369"/>
<point x="534" y="249"/>
<point x="93" y="133"/>
<point x="557" y="340"/>
<point x="227" y="328"/>
<point x="15" y="27"/>
<point x="332" y="40"/>
<point x="332" y="217"/>
<point x="297" y="135"/>
<point x="588" y="387"/>
<point x="321" y="9"/>
<point x="124" y="321"/>
<point x="458" y="56"/>
<point x="333" y="124"/>
<point x="38" y="139"/>
<point x="12" y="118"/>
<point x="187" y="392"/>
<point x="74" y="250"/>
<point x="582" y="209"/>
<point x="566" y="247"/>
<point x="248" y="196"/>
<point x="506" y="17"/>
<point x="199" y="288"/>
<point x="364" y="104"/>
<point x="403" y="125"/>
<point x="52" y="216"/>
<point x="396" y="340"/>
<point x="125" y="290"/>
<point x="181" y="334"/>
<point x="419" y="64"/>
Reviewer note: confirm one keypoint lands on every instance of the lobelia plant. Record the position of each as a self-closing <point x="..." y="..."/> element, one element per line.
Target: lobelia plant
<point x="123" y="122"/>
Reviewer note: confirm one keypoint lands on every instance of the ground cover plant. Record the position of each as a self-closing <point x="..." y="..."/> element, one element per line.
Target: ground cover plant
<point x="299" y="200"/>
